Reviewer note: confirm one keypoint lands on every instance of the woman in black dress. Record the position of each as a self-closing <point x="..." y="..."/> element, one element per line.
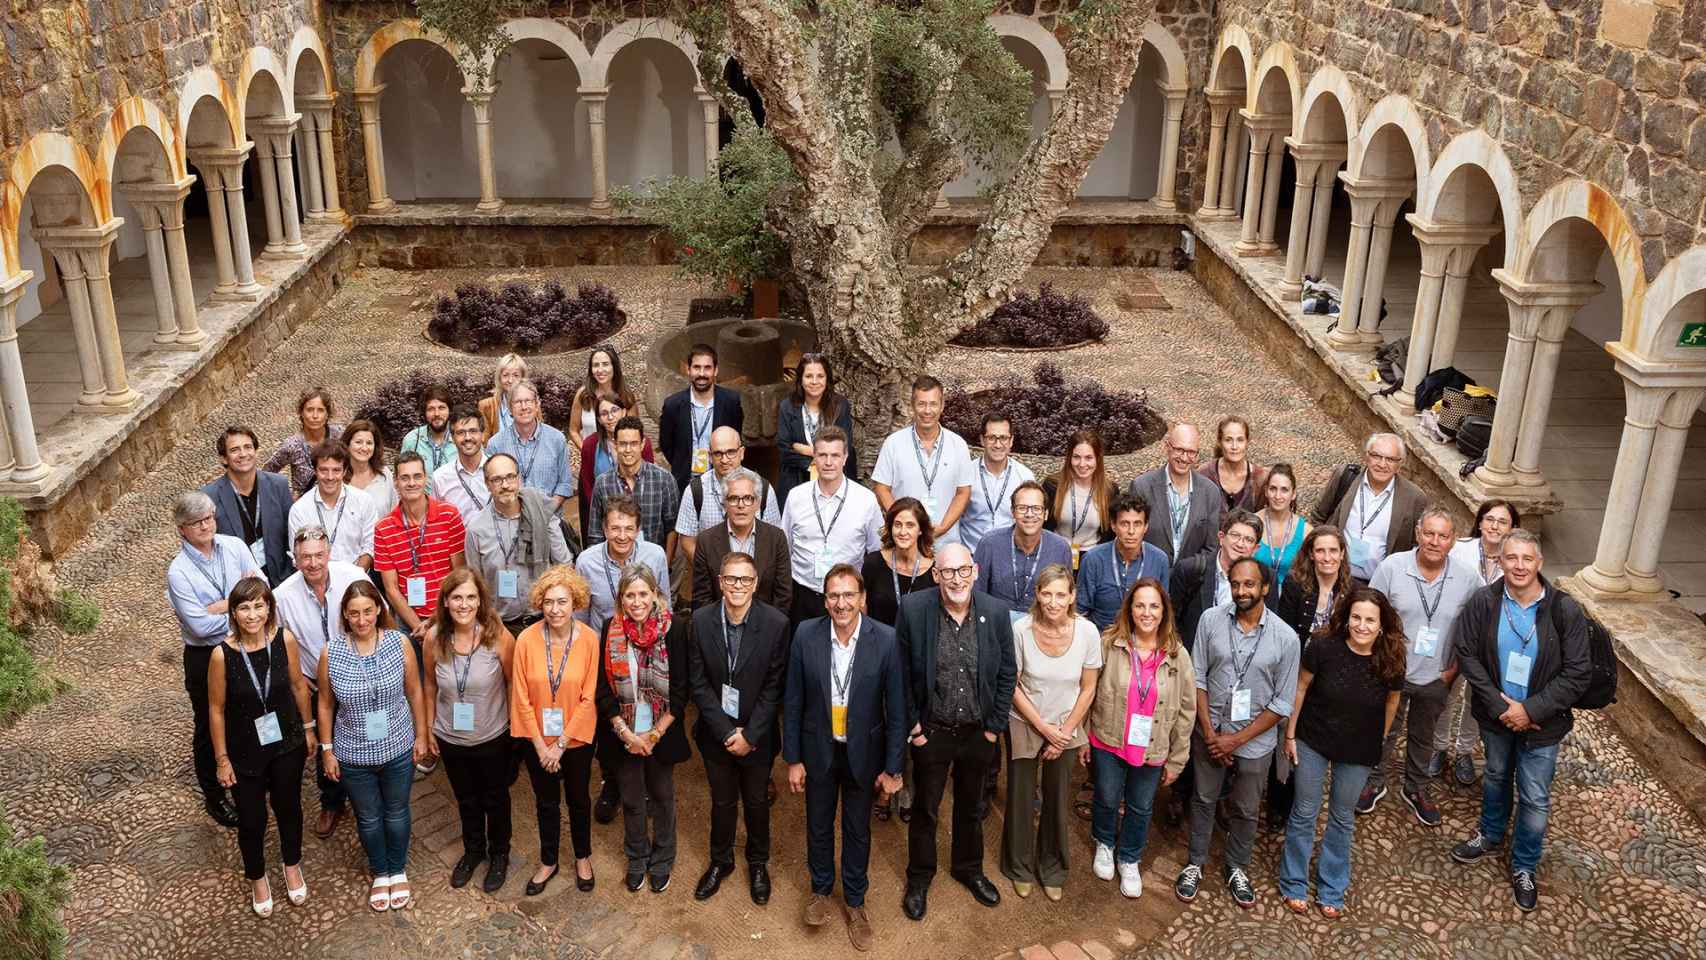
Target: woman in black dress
<point x="811" y="406"/>
<point x="903" y="564"/>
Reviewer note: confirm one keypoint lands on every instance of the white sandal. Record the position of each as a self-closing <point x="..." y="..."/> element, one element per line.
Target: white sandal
<point x="262" y="908"/>
<point x="297" y="895"/>
<point x="400" y="901"/>
<point x="379" y="900"/>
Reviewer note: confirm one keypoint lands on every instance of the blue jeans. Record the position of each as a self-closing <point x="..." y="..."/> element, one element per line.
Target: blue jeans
<point x="380" y="795"/>
<point x="1509" y="757"/>
<point x="1115" y="780"/>
<point x="1309" y="778"/>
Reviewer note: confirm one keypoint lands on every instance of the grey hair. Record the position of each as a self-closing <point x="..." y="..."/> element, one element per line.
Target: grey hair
<point x="1374" y="438"/>
<point x="524" y="384"/>
<point x="1522" y="535"/>
<point x="312" y="531"/>
<point x="1436" y="511"/>
<point x="190" y="506"/>
<point x="742" y="474"/>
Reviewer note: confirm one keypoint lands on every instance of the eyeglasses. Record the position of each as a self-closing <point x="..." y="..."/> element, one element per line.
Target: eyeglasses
<point x="957" y="573"/>
<point x="1188" y="453"/>
<point x="990" y="438"/>
<point x="1383" y="458"/>
<point x="1240" y="538"/>
<point x="502" y="479"/>
<point x="741" y="500"/>
<point x="1027" y="510"/>
<point x="842" y="596"/>
<point x="729" y="454"/>
<point x="739" y="583"/>
<point x="557" y="603"/>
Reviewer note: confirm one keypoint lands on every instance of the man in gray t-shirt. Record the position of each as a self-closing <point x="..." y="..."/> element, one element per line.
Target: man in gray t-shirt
<point x="1427" y="588"/>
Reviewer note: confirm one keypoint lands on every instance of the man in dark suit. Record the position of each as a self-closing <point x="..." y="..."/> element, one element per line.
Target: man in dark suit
<point x="843" y="738"/>
<point x="1375" y="507"/>
<point x="252" y="505"/>
<point x="742" y="531"/>
<point x="1201" y="582"/>
<point x="1184" y="508"/>
<point x="735" y="669"/>
<point x="688" y="417"/>
<point x="958" y="645"/>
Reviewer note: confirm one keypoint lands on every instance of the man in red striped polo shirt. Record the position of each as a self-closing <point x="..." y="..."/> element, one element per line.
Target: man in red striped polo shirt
<point x="415" y="546"/>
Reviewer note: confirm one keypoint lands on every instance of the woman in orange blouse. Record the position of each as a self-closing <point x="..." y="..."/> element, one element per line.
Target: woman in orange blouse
<point x="553" y="706"/>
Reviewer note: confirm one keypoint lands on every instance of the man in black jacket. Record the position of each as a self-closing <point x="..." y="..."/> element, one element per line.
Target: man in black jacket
<point x="688" y="417"/>
<point x="251" y="504"/>
<point x="1199" y="583"/>
<point x="1522" y="645"/>
<point x="958" y="648"/>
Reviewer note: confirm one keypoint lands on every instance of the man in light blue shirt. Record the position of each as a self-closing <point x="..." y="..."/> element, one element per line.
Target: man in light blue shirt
<point x="198" y="582"/>
<point x="1009" y="559"/>
<point x="539" y="449"/>
<point x="432" y="439"/>
<point x="601" y="564"/>
<point x="1108" y="570"/>
<point x="996" y="476"/>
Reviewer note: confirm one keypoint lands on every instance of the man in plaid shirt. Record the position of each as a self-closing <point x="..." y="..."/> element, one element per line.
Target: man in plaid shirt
<point x="651" y="486"/>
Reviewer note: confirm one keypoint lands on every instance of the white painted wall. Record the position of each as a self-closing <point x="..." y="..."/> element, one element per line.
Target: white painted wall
<point x="974" y="181"/>
<point x="654" y="126"/>
<point x="539" y="132"/>
<point x="1601" y="319"/>
<point x="1130" y="162"/>
<point x="130" y="242"/>
<point x="428" y="126"/>
<point x="31" y="258"/>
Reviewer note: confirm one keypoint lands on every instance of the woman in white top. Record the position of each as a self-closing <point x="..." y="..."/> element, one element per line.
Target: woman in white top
<point x="1079" y="496"/>
<point x="1480" y="553"/>
<point x="367" y="470"/>
<point x="1059" y="656"/>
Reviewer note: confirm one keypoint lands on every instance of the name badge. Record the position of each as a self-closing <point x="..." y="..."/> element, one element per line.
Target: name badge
<point x="930" y="504"/>
<point x="417" y="591"/>
<point x="1241" y="705"/>
<point x="551" y="722"/>
<point x="701" y="459"/>
<point x="462" y="717"/>
<point x="266" y="728"/>
<point x="507" y="582"/>
<point x="820" y="568"/>
<point x="1138" y="733"/>
<point x="642" y="717"/>
<point x="731" y="701"/>
<point x="1359" y="551"/>
<point x="259" y="550"/>
<point x="1516" y="669"/>
<point x="1075" y="556"/>
<point x="377" y="724"/>
<point x="838" y="722"/>
<point x="1427" y="641"/>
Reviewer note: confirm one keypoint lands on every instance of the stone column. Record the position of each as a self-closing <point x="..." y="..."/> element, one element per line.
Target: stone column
<point x="1542" y="378"/>
<point x="1166" y="181"/>
<point x="222" y="172"/>
<point x="308" y="159"/>
<point x="56" y="243"/>
<point x="595" y="99"/>
<point x="1457" y="267"/>
<point x="708" y="109"/>
<point x="1229" y="167"/>
<point x="1254" y="179"/>
<point x="1644" y="405"/>
<point x="1374" y="282"/>
<point x="1311" y="160"/>
<point x="1270" y="195"/>
<point x="1219" y="106"/>
<point x="90" y="291"/>
<point x="159" y="276"/>
<point x="162" y="208"/>
<point x="1445" y="247"/>
<point x="1663" y="469"/>
<point x="27" y="465"/>
<point x="1363" y="208"/>
<point x="373" y="148"/>
<point x="269" y="193"/>
<point x="226" y="287"/>
<point x="319" y="106"/>
<point x="481" y="101"/>
<point x="277" y="133"/>
<point x="1320" y="218"/>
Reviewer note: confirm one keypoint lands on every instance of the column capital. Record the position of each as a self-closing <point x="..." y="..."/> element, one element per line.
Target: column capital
<point x="1225" y="99"/>
<point x="275" y="131"/>
<point x="369" y="95"/>
<point x="1375" y="201"/>
<point x="224" y="164"/>
<point x="11" y="291"/>
<point x="1316" y="152"/>
<point x="1451" y="245"/>
<point x="318" y="101"/>
<point x="1269" y="123"/>
<point x="479" y="96"/>
<point x="60" y="239"/>
<point x="1657" y="374"/>
<point x="593" y="93"/>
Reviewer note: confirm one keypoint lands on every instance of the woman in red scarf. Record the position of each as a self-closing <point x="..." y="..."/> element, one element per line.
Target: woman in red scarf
<point x="642" y="695"/>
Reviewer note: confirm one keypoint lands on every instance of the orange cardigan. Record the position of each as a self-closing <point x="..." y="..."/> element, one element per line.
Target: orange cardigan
<point x="530" y="690"/>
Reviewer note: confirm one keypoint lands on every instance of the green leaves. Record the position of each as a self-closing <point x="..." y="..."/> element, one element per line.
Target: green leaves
<point x="32" y="893"/>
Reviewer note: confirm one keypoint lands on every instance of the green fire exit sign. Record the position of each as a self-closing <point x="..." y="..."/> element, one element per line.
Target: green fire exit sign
<point x="1693" y="335"/>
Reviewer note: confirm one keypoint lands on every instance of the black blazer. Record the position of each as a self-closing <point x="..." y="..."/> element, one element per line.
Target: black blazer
<point x="1192" y="587"/>
<point x="1296" y="606"/>
<point x="794" y="469"/>
<point x="273" y="505"/>
<point x="1560" y="674"/>
<point x="997" y="666"/>
<point x="1202" y="526"/>
<point x="758" y="674"/>
<point x="876" y="703"/>
<point x="675" y="428"/>
<point x="775" y="577"/>
<point x="672" y="747"/>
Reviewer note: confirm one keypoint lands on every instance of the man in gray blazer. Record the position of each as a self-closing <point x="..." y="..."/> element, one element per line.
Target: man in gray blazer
<point x="1184" y="509"/>
<point x="252" y="505"/>
<point x="1375" y="507"/>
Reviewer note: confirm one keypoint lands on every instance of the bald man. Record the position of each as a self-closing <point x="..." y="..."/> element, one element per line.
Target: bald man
<point x="702" y="504"/>
<point x="1184" y="518"/>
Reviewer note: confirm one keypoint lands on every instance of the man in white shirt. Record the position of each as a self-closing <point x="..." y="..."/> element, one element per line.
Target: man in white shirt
<point x="926" y="461"/>
<point x="829" y="521"/>
<point x="997" y="474"/>
<point x="346" y="514"/>
<point x="462" y="482"/>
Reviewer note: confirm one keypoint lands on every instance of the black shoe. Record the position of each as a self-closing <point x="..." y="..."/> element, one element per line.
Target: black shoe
<point x="464" y="870"/>
<point x="536" y="887"/>
<point x="634" y="882"/>
<point x="1185" y="886"/>
<point x="660" y="882"/>
<point x="496" y="873"/>
<point x="759" y="877"/>
<point x="585" y="884"/>
<point x="1525" y="891"/>
<point x="712" y="880"/>
<point x="1243" y="892"/>
<point x="1475" y="848"/>
<point x="982" y="890"/>
<point x="913" y="902"/>
<point x="223" y="812"/>
<point x="605" y="809"/>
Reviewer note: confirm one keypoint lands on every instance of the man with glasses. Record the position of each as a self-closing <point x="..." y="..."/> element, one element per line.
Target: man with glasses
<point x="1010" y="556"/>
<point x="737" y="661"/>
<point x="958" y="647"/>
<point x="462" y="482"/>
<point x="512" y="541"/>
<point x="688" y="417"/>
<point x="647" y="484"/>
<point x="828" y="521"/>
<point x="702" y="504"/>
<point x="740" y="531"/>
<point x="1375" y="507"/>
<point x="1187" y="512"/>
<point x="1198" y="584"/>
<point x="927" y="461"/>
<point x="997" y="474"/>
<point x="539" y="448"/>
<point x="1108" y="570"/>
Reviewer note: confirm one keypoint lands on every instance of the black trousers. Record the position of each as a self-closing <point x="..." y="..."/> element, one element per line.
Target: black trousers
<point x="823" y="793"/>
<point x="201" y="741"/>
<point x="281" y="779"/>
<point x="733" y="786"/>
<point x="331" y="791"/>
<point x="807" y="604"/>
<point x="550" y="789"/>
<point x="479" y="779"/>
<point x="962" y="754"/>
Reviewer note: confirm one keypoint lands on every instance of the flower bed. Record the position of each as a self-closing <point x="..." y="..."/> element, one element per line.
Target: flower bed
<point x="1046" y="321"/>
<point x="1046" y="411"/>
<point x="520" y="319"/>
<point x="396" y="405"/>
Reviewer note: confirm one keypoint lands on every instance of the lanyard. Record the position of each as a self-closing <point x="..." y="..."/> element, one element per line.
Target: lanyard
<point x="841" y="502"/>
<point x="1279" y="548"/>
<point x="708" y="480"/>
<point x="462" y="674"/>
<point x="842" y="682"/>
<point x="1179" y="508"/>
<point x="988" y="501"/>
<point x="325" y="616"/>
<point x="1533" y="629"/>
<point x="1137" y="666"/>
<point x="728" y="647"/>
<point x="1238" y="673"/>
<point x="337" y="519"/>
<point x="1428" y="610"/>
<point x="911" y="581"/>
<point x="611" y="581"/>
<point x="263" y="691"/>
<point x="415" y="542"/>
<point x="526" y="465"/>
<point x="515" y="541"/>
<point x="437" y="450"/>
<point x="201" y="568"/>
<point x="928" y="472"/>
<point x="554" y="674"/>
<point x="368" y="664"/>
<point x="1381" y="502"/>
<point x="1077" y="517"/>
<point x="251" y="518"/>
<point x="702" y="430"/>
<point x="462" y="478"/>
<point x="1022" y="583"/>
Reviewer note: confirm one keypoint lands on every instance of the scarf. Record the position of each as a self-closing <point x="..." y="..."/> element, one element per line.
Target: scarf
<point x="651" y="656"/>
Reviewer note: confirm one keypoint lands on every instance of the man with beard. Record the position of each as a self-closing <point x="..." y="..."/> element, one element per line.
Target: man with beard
<point x="689" y="417"/>
<point x="1009" y="557"/>
<point x="512" y="542"/>
<point x="252" y="505"/>
<point x="432" y="439"/>
<point x="462" y="482"/>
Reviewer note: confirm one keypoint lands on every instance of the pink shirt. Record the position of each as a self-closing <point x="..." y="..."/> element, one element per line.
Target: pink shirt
<point x="1146" y="671"/>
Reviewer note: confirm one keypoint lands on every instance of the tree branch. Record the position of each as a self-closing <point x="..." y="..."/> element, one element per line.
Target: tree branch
<point x="930" y="159"/>
<point x="769" y="41"/>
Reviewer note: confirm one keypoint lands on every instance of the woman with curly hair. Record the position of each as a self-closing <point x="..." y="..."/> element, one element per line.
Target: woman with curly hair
<point x="1338" y="726"/>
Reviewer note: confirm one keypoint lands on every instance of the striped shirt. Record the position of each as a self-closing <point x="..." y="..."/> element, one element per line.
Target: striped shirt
<point x="411" y="551"/>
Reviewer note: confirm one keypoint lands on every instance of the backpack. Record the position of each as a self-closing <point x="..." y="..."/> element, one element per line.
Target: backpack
<point x="1432" y="387"/>
<point x="1601" y="690"/>
<point x="1389" y="361"/>
<point x="1473" y="435"/>
<point x="697" y="488"/>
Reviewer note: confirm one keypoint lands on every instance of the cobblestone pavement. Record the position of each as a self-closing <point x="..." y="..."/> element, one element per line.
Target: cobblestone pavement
<point x="104" y="772"/>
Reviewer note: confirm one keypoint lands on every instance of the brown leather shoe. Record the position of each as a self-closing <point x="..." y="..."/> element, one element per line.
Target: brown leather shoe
<point x="817" y="910"/>
<point x="858" y="928"/>
<point x="328" y="823"/>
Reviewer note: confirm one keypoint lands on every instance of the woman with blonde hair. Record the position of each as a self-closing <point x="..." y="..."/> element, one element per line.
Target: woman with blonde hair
<point x="494" y="410"/>
<point x="1140" y="728"/>
<point x="1079" y="495"/>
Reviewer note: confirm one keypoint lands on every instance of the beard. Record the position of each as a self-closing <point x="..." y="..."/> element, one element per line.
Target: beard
<point x="1245" y="604"/>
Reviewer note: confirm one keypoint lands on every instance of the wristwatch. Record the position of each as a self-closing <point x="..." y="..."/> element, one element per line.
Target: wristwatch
<point x="325" y="748"/>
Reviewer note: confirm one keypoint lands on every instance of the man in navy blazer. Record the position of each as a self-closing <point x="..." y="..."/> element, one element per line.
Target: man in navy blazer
<point x="843" y="734"/>
<point x="688" y="417"/>
<point x="958" y="648"/>
<point x="252" y="505"/>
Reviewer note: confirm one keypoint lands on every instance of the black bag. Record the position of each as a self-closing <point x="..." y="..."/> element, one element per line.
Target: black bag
<point x="1389" y="361"/>
<point x="1601" y="691"/>
<point x="1432" y="387"/>
<point x="1473" y="435"/>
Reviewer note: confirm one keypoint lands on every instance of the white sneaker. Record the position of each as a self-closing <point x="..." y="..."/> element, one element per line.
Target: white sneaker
<point x="1131" y="880"/>
<point x="1104" y="864"/>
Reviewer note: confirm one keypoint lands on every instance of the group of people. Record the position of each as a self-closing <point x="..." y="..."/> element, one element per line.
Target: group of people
<point x="890" y="642"/>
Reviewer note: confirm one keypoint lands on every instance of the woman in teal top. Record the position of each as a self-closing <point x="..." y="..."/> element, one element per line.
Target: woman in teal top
<point x="1283" y="528"/>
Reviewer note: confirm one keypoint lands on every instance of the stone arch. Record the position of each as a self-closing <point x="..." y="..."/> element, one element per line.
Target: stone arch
<point x="1473" y="149"/>
<point x="11" y="203"/>
<point x="626" y="32"/>
<point x="1676" y="295"/>
<point x="1588" y="202"/>
<point x="1033" y="33"/>
<point x="1173" y="62"/>
<point x="1329" y="90"/>
<point x="1397" y="113"/>
<point x="388" y="36"/>
<point x="59" y="156"/>
<point x="1234" y="38"/>
<point x="133" y="112"/>
<point x="203" y="83"/>
<point x="261" y="67"/>
<point x="306" y="42"/>
<point x="552" y="32"/>
<point x="1269" y="97"/>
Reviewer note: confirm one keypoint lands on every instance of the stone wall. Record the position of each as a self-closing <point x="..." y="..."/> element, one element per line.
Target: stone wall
<point x="1609" y="90"/>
